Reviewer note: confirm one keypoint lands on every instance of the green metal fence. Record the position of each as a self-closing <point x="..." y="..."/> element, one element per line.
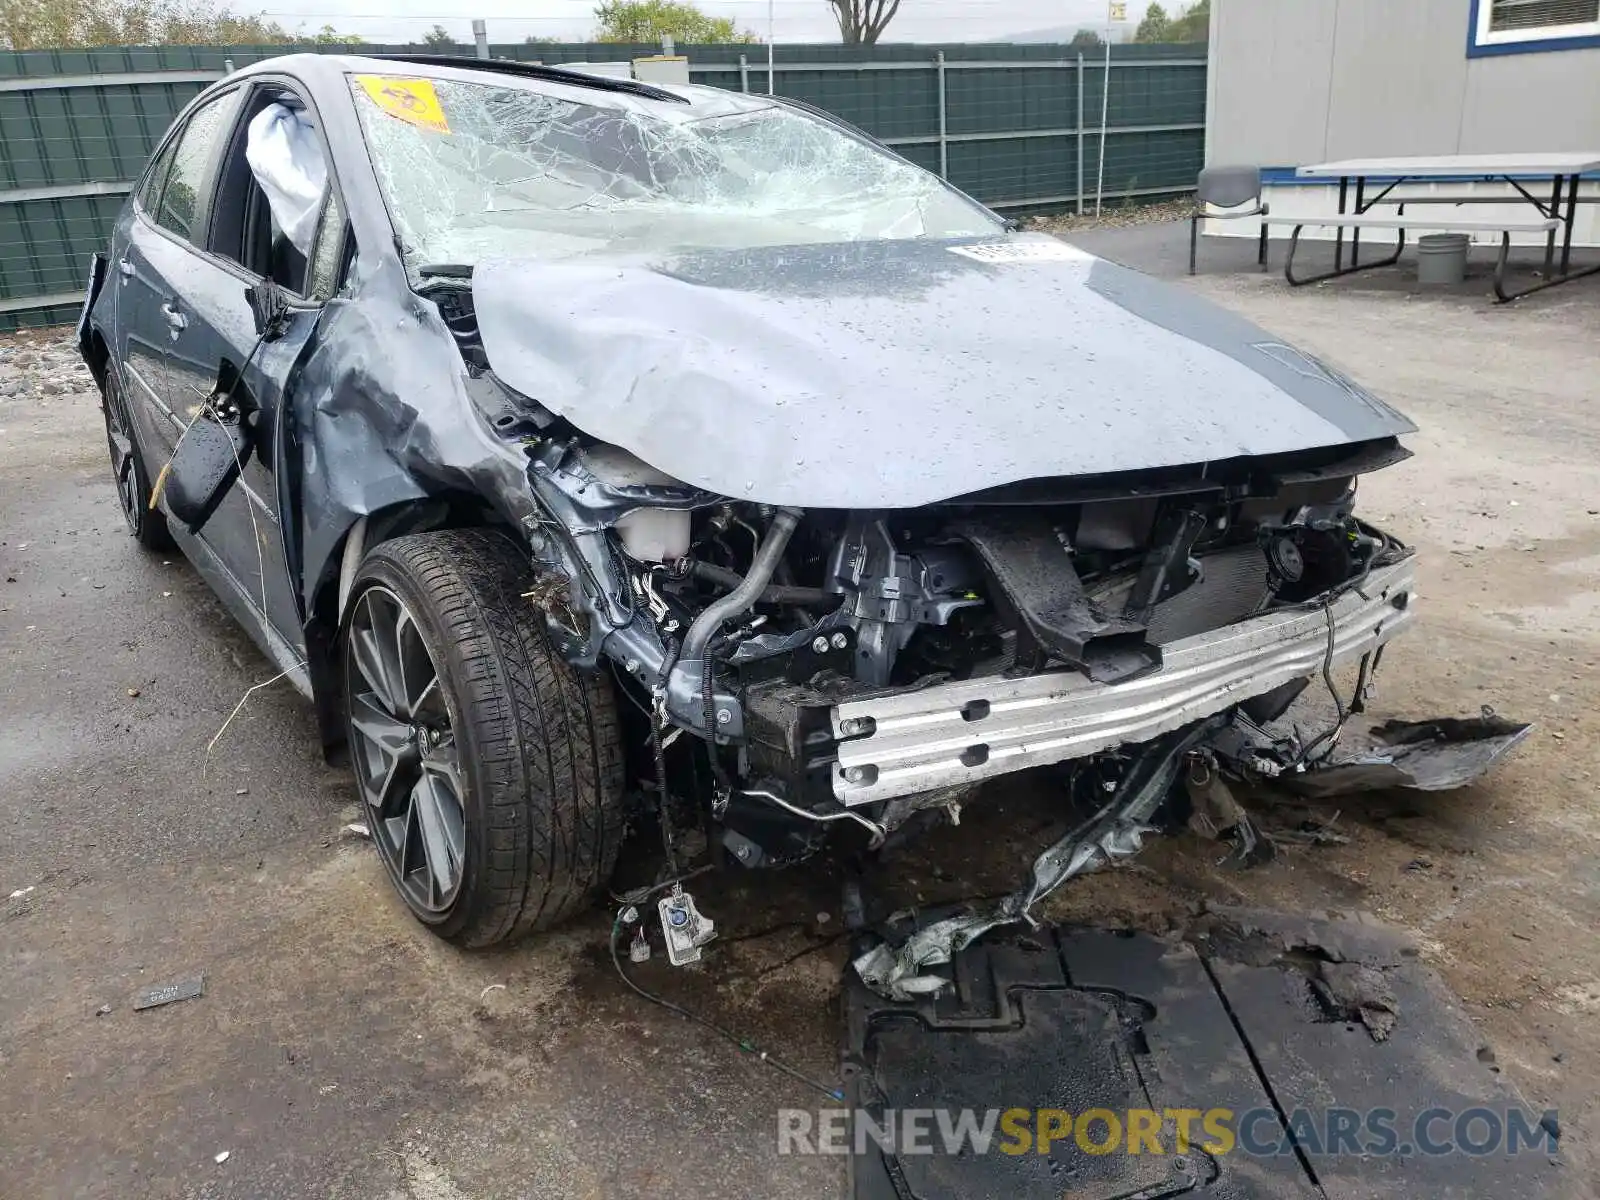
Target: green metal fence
<point x="1017" y="126"/>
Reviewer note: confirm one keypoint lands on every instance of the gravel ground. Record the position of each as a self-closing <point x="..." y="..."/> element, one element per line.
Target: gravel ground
<point x="341" y="1051"/>
<point x="1115" y="214"/>
<point x="38" y="364"/>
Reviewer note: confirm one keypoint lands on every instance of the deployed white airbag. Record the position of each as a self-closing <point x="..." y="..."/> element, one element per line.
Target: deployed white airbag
<point x="286" y="159"/>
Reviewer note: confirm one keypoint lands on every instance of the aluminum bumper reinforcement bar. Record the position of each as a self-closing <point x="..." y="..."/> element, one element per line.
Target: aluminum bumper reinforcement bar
<point x="957" y="733"/>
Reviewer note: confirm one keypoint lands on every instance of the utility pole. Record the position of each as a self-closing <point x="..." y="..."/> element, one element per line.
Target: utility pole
<point x="1116" y="12"/>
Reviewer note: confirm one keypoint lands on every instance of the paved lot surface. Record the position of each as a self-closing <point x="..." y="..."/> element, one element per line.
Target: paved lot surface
<point x="340" y="1051"/>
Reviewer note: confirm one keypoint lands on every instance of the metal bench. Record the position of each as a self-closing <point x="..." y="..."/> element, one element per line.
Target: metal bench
<point x="1400" y="223"/>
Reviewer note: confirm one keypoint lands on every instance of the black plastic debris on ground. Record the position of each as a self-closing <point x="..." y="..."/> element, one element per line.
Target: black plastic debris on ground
<point x="1429" y="756"/>
<point x="1287" y="1018"/>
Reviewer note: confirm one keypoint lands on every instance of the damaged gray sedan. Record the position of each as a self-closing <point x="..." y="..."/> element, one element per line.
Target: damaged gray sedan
<point x="601" y="457"/>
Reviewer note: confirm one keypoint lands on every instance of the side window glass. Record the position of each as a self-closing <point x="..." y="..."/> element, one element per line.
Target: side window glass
<point x="330" y="249"/>
<point x="150" y="189"/>
<point x="180" y="199"/>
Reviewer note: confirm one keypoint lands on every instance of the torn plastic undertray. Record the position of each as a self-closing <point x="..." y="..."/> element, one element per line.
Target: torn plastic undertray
<point x="1269" y="1017"/>
<point x="1429" y="756"/>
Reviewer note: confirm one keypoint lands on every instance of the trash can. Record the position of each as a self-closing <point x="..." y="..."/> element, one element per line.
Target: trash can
<point x="1442" y="257"/>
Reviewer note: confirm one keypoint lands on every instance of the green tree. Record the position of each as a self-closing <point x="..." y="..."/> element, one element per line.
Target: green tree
<point x="1193" y="25"/>
<point x="1155" y="27"/>
<point x="862" y="22"/>
<point x="439" y="38"/>
<point x="329" y="36"/>
<point x="653" y="20"/>
<point x="1086" y="39"/>
<point x="51" y="24"/>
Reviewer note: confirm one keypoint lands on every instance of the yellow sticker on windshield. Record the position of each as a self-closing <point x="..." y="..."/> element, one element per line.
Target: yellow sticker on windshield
<point x="412" y="100"/>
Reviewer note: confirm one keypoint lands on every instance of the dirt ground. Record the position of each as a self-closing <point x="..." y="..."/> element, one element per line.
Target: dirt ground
<point x="338" y="1050"/>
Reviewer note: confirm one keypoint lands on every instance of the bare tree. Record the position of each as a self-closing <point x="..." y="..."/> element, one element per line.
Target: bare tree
<point x="862" y="22"/>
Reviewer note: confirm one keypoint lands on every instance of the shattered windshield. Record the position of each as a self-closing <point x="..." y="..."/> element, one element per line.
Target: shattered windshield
<point x="479" y="170"/>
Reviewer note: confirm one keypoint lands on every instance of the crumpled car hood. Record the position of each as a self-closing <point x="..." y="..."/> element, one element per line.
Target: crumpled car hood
<point x="892" y="374"/>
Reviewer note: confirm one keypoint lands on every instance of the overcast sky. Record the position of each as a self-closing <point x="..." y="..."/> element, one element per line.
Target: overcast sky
<point x="573" y="20"/>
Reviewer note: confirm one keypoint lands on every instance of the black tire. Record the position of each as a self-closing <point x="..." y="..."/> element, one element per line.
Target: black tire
<point x="128" y="475"/>
<point x="536" y="744"/>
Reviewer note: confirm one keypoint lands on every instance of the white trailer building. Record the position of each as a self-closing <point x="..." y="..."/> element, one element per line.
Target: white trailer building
<point x="1294" y="82"/>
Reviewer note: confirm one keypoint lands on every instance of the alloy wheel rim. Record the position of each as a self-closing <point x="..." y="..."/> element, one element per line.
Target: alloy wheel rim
<point x="119" y="437"/>
<point x="403" y="748"/>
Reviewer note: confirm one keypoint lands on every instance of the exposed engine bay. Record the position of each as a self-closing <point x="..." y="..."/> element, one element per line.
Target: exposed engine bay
<point x="850" y="669"/>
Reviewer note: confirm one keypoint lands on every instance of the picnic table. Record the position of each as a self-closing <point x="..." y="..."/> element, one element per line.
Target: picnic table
<point x="1530" y="176"/>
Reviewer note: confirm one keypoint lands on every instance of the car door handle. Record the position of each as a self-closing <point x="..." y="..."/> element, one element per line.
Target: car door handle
<point x="176" y="321"/>
<point x="126" y="267"/>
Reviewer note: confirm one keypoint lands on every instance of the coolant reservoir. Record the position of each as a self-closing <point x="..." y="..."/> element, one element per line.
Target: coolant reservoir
<point x="649" y="534"/>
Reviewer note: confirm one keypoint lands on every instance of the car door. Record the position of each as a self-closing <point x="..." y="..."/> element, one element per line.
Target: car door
<point x="218" y="349"/>
<point x="141" y="333"/>
<point x="161" y="257"/>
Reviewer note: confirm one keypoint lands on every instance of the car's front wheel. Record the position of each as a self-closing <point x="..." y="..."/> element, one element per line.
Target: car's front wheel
<point x="148" y="525"/>
<point x="490" y="771"/>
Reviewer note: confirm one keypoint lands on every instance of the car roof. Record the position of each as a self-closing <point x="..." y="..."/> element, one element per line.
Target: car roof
<point x="322" y="67"/>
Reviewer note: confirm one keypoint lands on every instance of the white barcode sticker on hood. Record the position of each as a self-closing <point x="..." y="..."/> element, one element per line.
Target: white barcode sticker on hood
<point x="1043" y="250"/>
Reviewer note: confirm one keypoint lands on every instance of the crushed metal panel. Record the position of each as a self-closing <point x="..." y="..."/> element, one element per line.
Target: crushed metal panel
<point x="1114" y="833"/>
<point x="382" y="416"/>
<point x="784" y="374"/>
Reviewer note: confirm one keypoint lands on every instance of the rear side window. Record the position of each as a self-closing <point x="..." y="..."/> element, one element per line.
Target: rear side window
<point x="150" y="189"/>
<point x="191" y="159"/>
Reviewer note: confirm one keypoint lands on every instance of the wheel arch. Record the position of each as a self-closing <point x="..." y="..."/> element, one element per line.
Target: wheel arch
<point x="329" y="599"/>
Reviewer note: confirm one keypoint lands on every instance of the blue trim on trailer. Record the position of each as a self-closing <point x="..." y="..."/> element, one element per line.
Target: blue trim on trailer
<point x="1533" y="46"/>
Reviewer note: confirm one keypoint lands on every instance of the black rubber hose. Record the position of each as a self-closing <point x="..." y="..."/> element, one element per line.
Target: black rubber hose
<point x="776" y="593"/>
<point x="738" y="601"/>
